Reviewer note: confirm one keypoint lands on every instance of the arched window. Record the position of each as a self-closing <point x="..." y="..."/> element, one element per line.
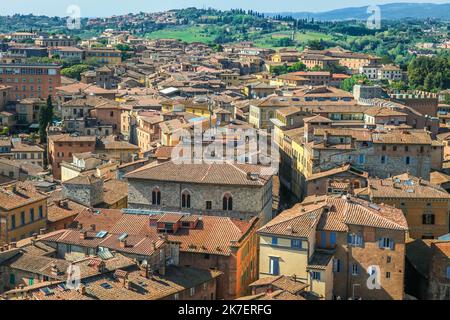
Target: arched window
<point x="156" y="197"/>
<point x="227" y="202"/>
<point x="185" y="199"/>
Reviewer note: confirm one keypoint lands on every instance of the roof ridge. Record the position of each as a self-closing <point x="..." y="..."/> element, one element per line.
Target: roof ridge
<point x="207" y="172"/>
<point x="234" y="224"/>
<point x="301" y="214"/>
<point x="374" y="213"/>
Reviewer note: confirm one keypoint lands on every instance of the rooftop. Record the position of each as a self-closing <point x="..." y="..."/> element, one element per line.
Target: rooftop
<point x="224" y="174"/>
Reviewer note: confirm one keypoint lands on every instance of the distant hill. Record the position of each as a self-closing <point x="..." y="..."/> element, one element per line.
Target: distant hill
<point x="392" y="11"/>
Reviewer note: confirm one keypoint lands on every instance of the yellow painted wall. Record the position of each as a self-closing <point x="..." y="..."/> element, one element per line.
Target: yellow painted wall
<point x="24" y="231"/>
<point x="292" y="261"/>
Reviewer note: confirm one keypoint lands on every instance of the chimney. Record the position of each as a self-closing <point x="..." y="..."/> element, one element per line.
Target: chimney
<point x="83" y="235"/>
<point x="162" y="266"/>
<point x="64" y="204"/>
<point x="82" y="289"/>
<point x="93" y="227"/>
<point x="42" y="231"/>
<point x="54" y="270"/>
<point x="325" y="138"/>
<point x="122" y="277"/>
<point x="101" y="267"/>
<point x="145" y="270"/>
<point x="123" y="243"/>
<point x="13" y="245"/>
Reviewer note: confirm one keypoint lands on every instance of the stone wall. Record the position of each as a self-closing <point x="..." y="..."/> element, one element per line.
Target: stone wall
<point x="248" y="202"/>
<point x="88" y="195"/>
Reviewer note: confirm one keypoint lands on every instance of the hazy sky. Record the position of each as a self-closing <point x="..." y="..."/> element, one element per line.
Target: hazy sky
<point x="91" y="8"/>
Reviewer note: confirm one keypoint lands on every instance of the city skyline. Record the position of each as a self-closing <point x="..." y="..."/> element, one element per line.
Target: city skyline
<point x="88" y="9"/>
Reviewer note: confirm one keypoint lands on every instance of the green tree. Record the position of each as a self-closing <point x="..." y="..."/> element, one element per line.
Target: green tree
<point x="75" y="71"/>
<point x="5" y="131"/>
<point x="45" y="118"/>
<point x="398" y="86"/>
<point x="349" y="83"/>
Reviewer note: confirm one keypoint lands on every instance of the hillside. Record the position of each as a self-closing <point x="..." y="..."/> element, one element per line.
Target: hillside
<point x="392" y="11"/>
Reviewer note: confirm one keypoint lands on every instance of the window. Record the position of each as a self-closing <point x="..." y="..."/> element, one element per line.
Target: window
<point x="383" y="159"/>
<point x="389" y="259"/>
<point x="192" y="291"/>
<point x="355" y="240"/>
<point x="176" y="296"/>
<point x="227" y="202"/>
<point x="186" y="199"/>
<point x="22" y="218"/>
<point x="274" y="240"/>
<point x="336" y="265"/>
<point x="383" y="148"/>
<point x="362" y="159"/>
<point x="428" y="218"/>
<point x="388" y="275"/>
<point x="332" y="238"/>
<point x="274" y="266"/>
<point x="208" y="205"/>
<point x="156" y="197"/>
<point x="386" y="243"/>
<point x="406" y="148"/>
<point x="448" y="272"/>
<point x="315" y="275"/>
<point x="355" y="269"/>
<point x="31" y="214"/>
<point x="296" y="244"/>
<point x="394" y="148"/>
<point x="12" y="279"/>
<point x="41" y="212"/>
<point x="30" y="281"/>
<point x="407" y="160"/>
<point x="13" y="222"/>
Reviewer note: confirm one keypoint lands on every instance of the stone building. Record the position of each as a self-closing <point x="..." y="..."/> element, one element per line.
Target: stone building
<point x="425" y="205"/>
<point x="380" y="153"/>
<point x="87" y="190"/>
<point x="230" y="190"/>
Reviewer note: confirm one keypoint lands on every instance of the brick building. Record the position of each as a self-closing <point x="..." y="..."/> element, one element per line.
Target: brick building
<point x="439" y="276"/>
<point x="333" y="244"/>
<point x="223" y="244"/>
<point x="425" y="206"/>
<point x="30" y="80"/>
<point x="61" y="147"/>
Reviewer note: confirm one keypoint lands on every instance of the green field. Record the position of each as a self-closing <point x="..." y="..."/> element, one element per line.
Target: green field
<point x="187" y="34"/>
<point x="299" y="37"/>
